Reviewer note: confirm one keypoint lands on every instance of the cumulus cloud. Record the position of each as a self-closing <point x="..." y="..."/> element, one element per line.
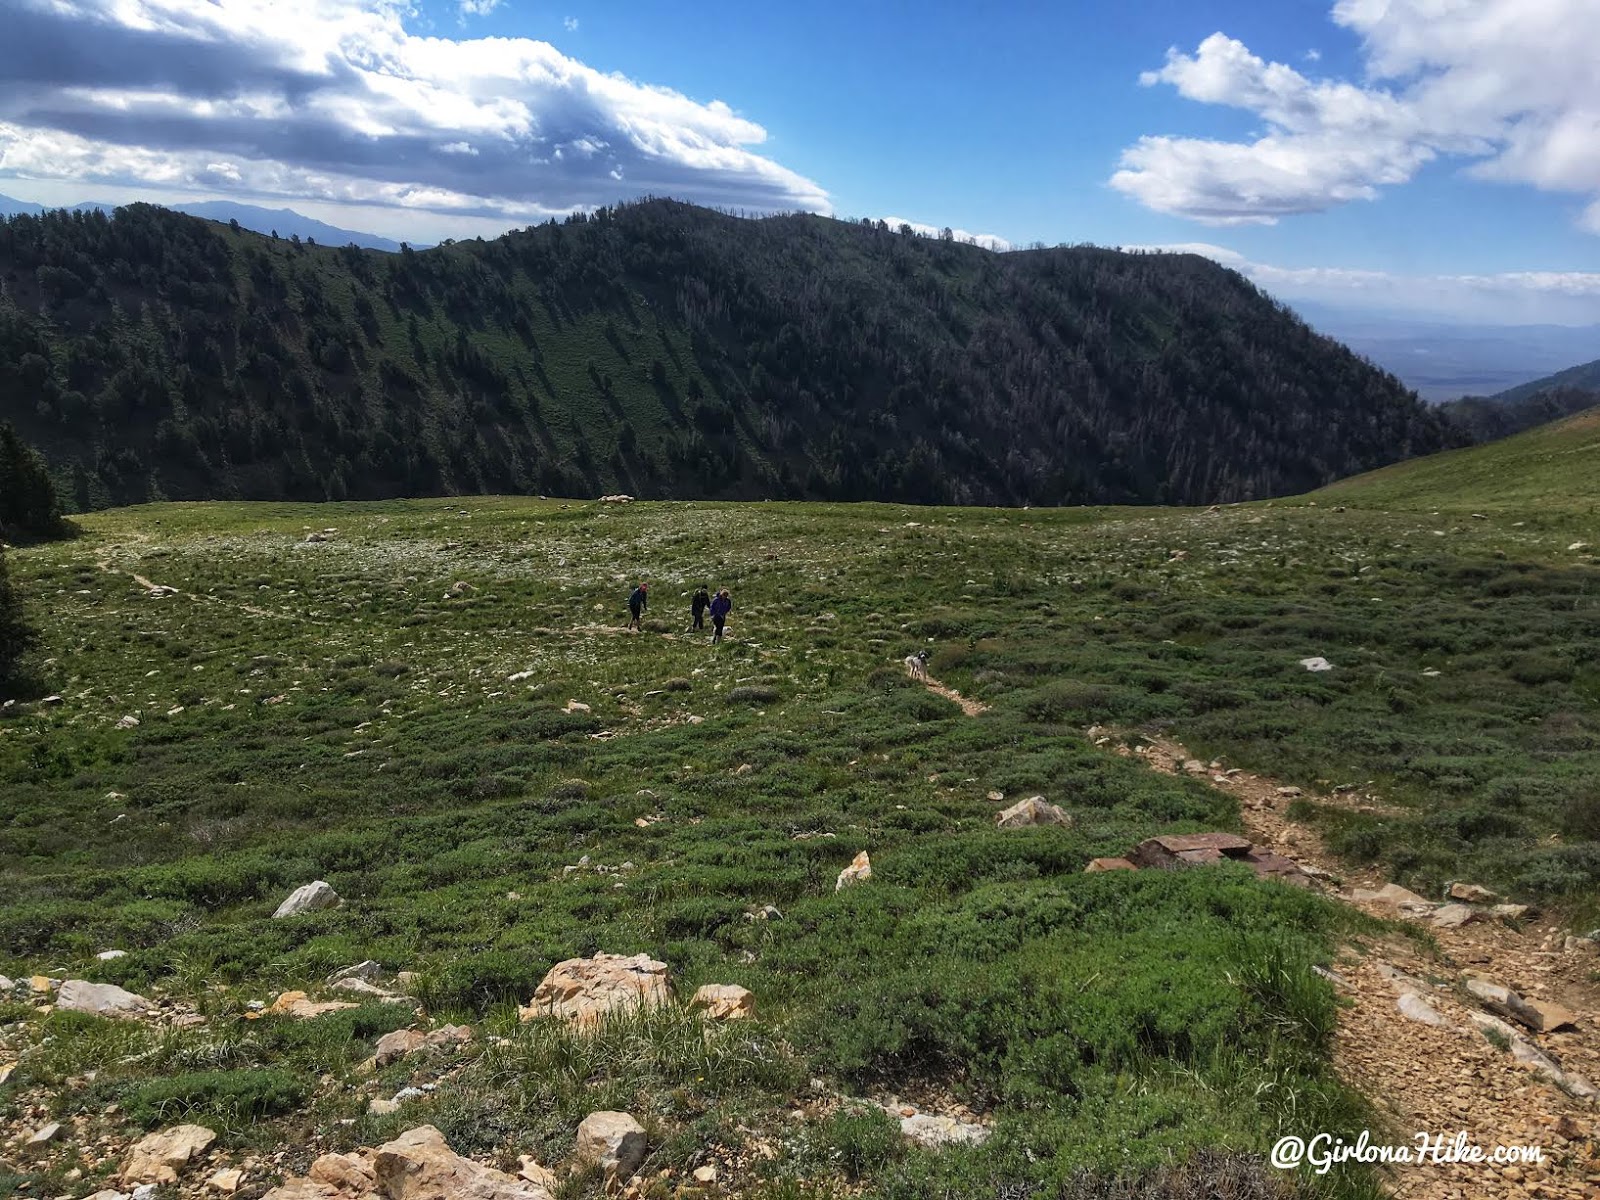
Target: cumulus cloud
<point x="1507" y="84"/>
<point x="1509" y="297"/>
<point x="570" y="24"/>
<point x="336" y="101"/>
<point x="477" y="8"/>
<point x="989" y="241"/>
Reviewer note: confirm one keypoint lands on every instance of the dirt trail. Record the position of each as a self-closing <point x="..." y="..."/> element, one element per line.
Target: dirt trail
<point x="164" y="589"/>
<point x="1422" y="1078"/>
<point x="971" y="707"/>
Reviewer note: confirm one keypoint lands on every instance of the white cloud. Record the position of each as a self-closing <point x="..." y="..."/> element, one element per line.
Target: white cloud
<point x="570" y="24"/>
<point x="477" y="8"/>
<point x="989" y="241"/>
<point x="1510" y="297"/>
<point x="1506" y="83"/>
<point x="335" y="101"/>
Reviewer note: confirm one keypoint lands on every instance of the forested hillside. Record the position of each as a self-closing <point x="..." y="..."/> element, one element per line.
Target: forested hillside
<point x="667" y="351"/>
<point x="1488" y="418"/>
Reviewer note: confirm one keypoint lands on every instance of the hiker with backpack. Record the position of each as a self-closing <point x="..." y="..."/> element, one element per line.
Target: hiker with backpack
<point x="637" y="603"/>
<point x="698" y="605"/>
<point x="720" y="607"/>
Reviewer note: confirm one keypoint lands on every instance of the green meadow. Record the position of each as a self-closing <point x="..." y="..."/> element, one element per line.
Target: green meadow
<point x="341" y="710"/>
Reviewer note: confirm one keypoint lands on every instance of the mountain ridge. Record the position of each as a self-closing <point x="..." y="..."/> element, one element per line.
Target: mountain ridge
<point x="667" y="350"/>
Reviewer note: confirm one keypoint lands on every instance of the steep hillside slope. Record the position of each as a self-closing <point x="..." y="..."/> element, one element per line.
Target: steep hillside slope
<point x="668" y="351"/>
<point x="1555" y="465"/>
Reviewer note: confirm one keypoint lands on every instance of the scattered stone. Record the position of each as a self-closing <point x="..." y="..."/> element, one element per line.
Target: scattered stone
<point x="706" y="1174"/>
<point x="397" y="1045"/>
<point x="1472" y="893"/>
<point x="1454" y="916"/>
<point x="1572" y="945"/>
<point x="1188" y="849"/>
<point x="614" y="1140"/>
<point x="367" y="971"/>
<point x="1541" y="1016"/>
<point x="1097" y="865"/>
<point x="725" y="1001"/>
<point x="1392" y="895"/>
<point x="301" y="1007"/>
<point x="859" y="871"/>
<point x="159" y="1157"/>
<point x="587" y="990"/>
<point x="111" y="955"/>
<point x="382" y="1108"/>
<point x="1512" y="912"/>
<point x="45" y="1134"/>
<point x="576" y="706"/>
<point x="309" y="897"/>
<point x="1418" y="1009"/>
<point x="767" y="912"/>
<point x="1291" y="792"/>
<point x="934" y="1133"/>
<point x="101" y="999"/>
<point x="1332" y="977"/>
<point x="997" y="796"/>
<point x="362" y="988"/>
<point x="1032" y="811"/>
<point x="528" y="1168"/>
<point x="226" y="1181"/>
<point x="128" y="722"/>
<point x="1316" y="664"/>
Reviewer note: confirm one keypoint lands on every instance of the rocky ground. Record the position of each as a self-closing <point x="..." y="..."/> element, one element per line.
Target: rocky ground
<point x="1412" y="1036"/>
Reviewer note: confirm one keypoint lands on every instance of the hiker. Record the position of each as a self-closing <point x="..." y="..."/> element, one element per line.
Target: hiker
<point x="698" y="605"/>
<point x="637" y="603"/>
<point x="720" y="607"/>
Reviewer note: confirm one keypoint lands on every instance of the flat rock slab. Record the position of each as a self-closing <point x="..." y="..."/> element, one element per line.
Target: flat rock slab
<point x="1418" y="1009"/>
<point x="101" y="999"/>
<point x="303" y="1008"/>
<point x="1097" y="865"/>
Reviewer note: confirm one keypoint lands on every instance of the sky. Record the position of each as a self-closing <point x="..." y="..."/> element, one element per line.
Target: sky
<point x="1434" y="158"/>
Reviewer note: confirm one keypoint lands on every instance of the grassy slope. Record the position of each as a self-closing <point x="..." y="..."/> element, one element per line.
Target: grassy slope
<point x="322" y="711"/>
<point x="1555" y="467"/>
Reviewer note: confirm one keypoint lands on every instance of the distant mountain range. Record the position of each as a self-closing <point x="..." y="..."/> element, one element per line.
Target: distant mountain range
<point x="1444" y="360"/>
<point x="284" y="221"/>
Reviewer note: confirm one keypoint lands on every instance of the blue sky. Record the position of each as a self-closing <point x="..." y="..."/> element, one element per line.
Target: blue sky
<point x="1437" y="157"/>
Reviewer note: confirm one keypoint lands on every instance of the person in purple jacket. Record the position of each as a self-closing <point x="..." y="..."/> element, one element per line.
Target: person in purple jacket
<point x="721" y="606"/>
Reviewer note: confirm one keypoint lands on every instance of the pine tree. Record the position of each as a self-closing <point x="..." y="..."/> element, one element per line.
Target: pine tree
<point x="28" y="504"/>
<point x="15" y="635"/>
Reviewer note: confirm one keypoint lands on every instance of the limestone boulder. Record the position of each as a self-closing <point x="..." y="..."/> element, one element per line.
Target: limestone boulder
<point x="724" y="1002"/>
<point x="614" y="1141"/>
<point x="1032" y="811"/>
<point x="935" y="1132"/>
<point x="162" y="1156"/>
<point x="309" y="897"/>
<point x="585" y="991"/>
<point x="419" y="1165"/>
<point x="303" y="1008"/>
<point x="859" y="871"/>
<point x="101" y="999"/>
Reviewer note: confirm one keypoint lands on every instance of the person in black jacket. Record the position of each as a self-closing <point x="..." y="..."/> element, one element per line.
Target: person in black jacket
<point x="720" y="608"/>
<point x="698" y="605"/>
<point x="637" y="603"/>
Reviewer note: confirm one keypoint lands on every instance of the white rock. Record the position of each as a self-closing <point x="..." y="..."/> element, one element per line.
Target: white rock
<point x="614" y="1140"/>
<point x="1418" y="1009"/>
<point x="110" y="955"/>
<point x="1316" y="664"/>
<point x="308" y="898"/>
<point x="367" y="970"/>
<point x="859" y="871"/>
<point x="102" y="999"/>
<point x="933" y="1132"/>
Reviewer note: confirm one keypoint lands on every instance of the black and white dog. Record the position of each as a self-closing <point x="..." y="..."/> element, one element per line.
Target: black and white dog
<point x="917" y="665"/>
